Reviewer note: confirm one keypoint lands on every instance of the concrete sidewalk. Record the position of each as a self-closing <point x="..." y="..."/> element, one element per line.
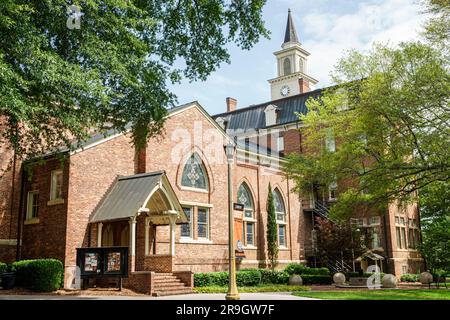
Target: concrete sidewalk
<point x="200" y="296"/>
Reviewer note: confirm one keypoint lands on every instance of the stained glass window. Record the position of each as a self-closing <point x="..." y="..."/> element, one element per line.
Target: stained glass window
<point x="279" y="206"/>
<point x="244" y="197"/>
<point x="194" y="173"/>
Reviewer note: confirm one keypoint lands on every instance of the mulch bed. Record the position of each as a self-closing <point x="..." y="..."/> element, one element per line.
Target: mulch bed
<point x="62" y="292"/>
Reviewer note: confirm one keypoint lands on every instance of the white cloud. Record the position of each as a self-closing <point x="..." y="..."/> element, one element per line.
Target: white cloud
<point x="329" y="35"/>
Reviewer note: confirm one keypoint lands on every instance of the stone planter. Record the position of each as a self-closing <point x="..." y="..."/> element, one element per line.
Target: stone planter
<point x="295" y="280"/>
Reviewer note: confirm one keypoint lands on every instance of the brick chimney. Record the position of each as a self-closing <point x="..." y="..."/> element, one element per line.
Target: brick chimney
<point x="304" y="85"/>
<point x="231" y="104"/>
<point x="140" y="160"/>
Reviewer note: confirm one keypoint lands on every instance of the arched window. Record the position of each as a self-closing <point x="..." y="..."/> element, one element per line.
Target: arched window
<point x="194" y="173"/>
<point x="287" y="66"/>
<point x="244" y="197"/>
<point x="281" y="217"/>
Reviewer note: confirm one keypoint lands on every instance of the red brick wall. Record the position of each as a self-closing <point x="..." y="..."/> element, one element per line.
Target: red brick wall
<point x="8" y="218"/>
<point x="47" y="238"/>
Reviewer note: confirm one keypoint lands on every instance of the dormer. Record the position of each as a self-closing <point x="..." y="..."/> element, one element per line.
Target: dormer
<point x="271" y="115"/>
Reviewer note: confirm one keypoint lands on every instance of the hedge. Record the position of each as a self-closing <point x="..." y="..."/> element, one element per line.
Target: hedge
<point x="274" y="277"/>
<point x="407" y="277"/>
<point x="300" y="269"/>
<point x="243" y="278"/>
<point x="309" y="279"/>
<point x="3" y="267"/>
<point x="39" y="275"/>
<point x="351" y="274"/>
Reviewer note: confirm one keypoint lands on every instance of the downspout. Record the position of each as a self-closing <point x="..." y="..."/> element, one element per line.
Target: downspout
<point x="11" y="203"/>
<point x="19" y="218"/>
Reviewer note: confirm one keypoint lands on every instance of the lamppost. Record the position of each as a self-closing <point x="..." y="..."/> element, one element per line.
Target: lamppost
<point x="233" y="293"/>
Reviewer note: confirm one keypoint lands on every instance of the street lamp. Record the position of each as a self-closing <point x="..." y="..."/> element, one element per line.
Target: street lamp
<point x="233" y="293"/>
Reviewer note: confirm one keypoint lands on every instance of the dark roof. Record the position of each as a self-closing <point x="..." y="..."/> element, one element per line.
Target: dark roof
<point x="291" y="34"/>
<point x="253" y="117"/>
<point x="126" y="196"/>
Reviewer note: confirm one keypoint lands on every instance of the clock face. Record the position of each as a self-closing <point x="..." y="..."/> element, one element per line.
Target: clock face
<point x="285" y="91"/>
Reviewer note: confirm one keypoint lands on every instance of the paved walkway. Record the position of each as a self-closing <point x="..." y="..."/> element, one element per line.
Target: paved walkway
<point x="201" y="296"/>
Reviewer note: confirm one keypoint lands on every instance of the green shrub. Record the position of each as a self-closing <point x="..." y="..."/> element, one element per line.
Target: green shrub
<point x="297" y="268"/>
<point x="243" y="278"/>
<point x="407" y="277"/>
<point x="309" y="279"/>
<point x="351" y="274"/>
<point x="39" y="275"/>
<point x="248" y="278"/>
<point x="274" y="277"/>
<point x="3" y="267"/>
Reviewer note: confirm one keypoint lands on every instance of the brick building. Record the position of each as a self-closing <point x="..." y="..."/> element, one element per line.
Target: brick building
<point x="168" y="201"/>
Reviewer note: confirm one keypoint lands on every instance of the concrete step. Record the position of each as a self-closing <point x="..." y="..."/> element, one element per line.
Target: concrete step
<point x="166" y="280"/>
<point x="169" y="285"/>
<point x="172" y="292"/>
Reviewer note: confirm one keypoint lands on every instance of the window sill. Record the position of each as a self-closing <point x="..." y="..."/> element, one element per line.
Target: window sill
<point x="55" y="202"/>
<point x="249" y="247"/>
<point x="194" y="190"/>
<point x="31" y="221"/>
<point x="195" y="241"/>
<point x="283" y="248"/>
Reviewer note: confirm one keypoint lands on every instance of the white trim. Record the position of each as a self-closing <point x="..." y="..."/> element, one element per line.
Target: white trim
<point x="198" y="204"/>
<point x="183" y="188"/>
<point x="106" y="139"/>
<point x="55" y="202"/>
<point x="8" y="242"/>
<point x="197" y="241"/>
<point x="53" y="199"/>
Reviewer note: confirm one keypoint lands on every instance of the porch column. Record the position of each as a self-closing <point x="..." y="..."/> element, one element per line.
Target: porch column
<point x="147" y="238"/>
<point x="132" y="242"/>
<point x="172" y="234"/>
<point x="99" y="234"/>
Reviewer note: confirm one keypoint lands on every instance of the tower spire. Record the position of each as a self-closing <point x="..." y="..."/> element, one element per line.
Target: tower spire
<point x="291" y="35"/>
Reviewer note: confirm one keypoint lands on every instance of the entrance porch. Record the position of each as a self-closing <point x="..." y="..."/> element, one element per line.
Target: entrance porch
<point x="129" y="215"/>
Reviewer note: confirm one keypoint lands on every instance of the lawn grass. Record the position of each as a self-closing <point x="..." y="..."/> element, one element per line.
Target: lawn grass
<point x="260" y="288"/>
<point x="398" y="294"/>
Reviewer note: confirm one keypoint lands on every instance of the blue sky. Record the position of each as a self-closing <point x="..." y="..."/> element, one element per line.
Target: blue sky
<point x="326" y="28"/>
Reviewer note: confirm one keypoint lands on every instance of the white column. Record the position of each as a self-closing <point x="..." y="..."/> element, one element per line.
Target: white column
<point x="99" y="234"/>
<point x="147" y="238"/>
<point x="172" y="235"/>
<point x="133" y="236"/>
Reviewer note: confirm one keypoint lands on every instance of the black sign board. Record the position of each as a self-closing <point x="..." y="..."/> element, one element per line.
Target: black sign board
<point x="238" y="206"/>
<point x="103" y="262"/>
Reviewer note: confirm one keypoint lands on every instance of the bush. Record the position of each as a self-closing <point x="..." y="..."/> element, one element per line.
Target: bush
<point x="243" y="278"/>
<point x="300" y="269"/>
<point x="274" y="277"/>
<point x="40" y="275"/>
<point x="3" y="267"/>
<point x="248" y="278"/>
<point x="407" y="277"/>
<point x="309" y="279"/>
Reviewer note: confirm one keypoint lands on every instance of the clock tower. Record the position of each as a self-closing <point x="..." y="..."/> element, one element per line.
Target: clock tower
<point x="292" y="66"/>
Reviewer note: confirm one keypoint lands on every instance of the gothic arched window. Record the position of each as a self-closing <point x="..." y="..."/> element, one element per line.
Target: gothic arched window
<point x="287" y="66"/>
<point x="244" y="197"/>
<point x="281" y="217"/>
<point x="194" y="173"/>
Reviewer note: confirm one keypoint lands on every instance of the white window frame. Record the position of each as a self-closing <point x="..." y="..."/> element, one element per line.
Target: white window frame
<point x="191" y="229"/>
<point x="283" y="225"/>
<point x="53" y="185"/>
<point x="332" y="187"/>
<point x="207" y="223"/>
<point x="31" y="206"/>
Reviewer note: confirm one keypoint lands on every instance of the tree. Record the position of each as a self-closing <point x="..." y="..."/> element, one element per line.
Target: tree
<point x="339" y="241"/>
<point x="59" y="83"/>
<point x="389" y="115"/>
<point x="437" y="28"/>
<point x="435" y="223"/>
<point x="272" y="230"/>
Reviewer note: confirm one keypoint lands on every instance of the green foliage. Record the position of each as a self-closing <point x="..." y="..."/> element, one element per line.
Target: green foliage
<point x="261" y="288"/>
<point x="309" y="279"/>
<point x="435" y="223"/>
<point x="272" y="230"/>
<point x="39" y="275"/>
<point x="3" y="267"/>
<point x="391" y="128"/>
<point x="300" y="269"/>
<point x="274" y="277"/>
<point x="114" y="71"/>
<point x="243" y="278"/>
<point x="407" y="277"/>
